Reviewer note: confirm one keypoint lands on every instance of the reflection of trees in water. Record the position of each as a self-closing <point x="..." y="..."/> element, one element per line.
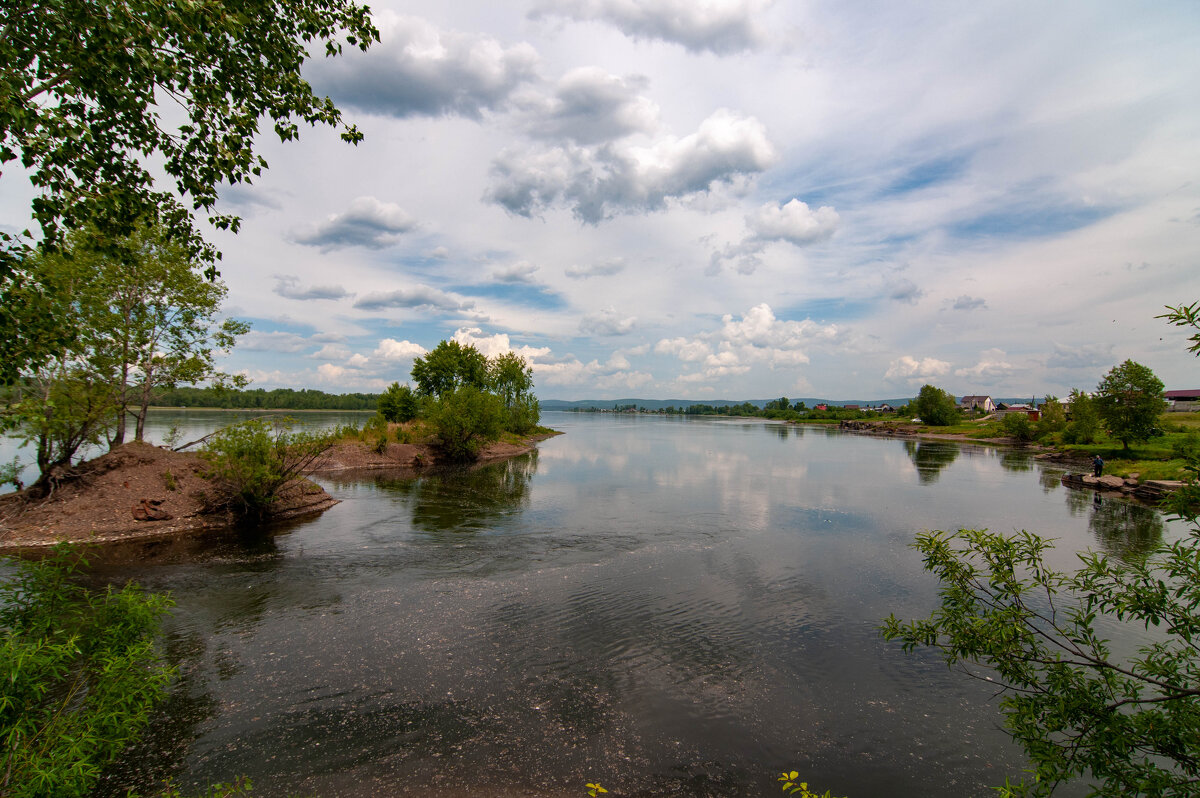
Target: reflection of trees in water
<point x="1125" y="530"/>
<point x="931" y="458"/>
<point x="1012" y="460"/>
<point x="467" y="500"/>
<point x="1050" y="479"/>
<point x="1080" y="501"/>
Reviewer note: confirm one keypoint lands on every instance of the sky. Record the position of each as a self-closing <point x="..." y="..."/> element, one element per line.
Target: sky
<point x="732" y="199"/>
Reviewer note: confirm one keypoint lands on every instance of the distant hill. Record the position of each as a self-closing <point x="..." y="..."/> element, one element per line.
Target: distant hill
<point x="659" y="404"/>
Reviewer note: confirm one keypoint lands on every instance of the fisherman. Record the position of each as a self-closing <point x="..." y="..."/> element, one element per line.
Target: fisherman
<point x="1097" y="466"/>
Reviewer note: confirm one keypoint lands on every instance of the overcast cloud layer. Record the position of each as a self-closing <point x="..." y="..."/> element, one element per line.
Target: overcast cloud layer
<point x="736" y="199"/>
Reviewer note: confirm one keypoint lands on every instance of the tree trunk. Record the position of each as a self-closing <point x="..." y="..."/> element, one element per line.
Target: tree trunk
<point x="143" y="404"/>
<point x="123" y="395"/>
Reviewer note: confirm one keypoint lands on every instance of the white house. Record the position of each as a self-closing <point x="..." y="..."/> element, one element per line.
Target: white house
<point x="983" y="403"/>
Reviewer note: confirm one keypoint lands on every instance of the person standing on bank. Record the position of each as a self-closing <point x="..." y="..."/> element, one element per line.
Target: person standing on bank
<point x="1097" y="466"/>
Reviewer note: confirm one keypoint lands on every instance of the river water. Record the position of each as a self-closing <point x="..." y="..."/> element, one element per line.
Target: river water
<point x="670" y="606"/>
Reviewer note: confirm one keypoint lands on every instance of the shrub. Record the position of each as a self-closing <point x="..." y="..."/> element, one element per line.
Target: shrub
<point x="1054" y="418"/>
<point x="1018" y="425"/>
<point x="1187" y="447"/>
<point x="250" y="463"/>
<point x="465" y="419"/>
<point x="398" y="403"/>
<point x="375" y="432"/>
<point x="81" y="676"/>
<point x="1085" y="419"/>
<point x="10" y="474"/>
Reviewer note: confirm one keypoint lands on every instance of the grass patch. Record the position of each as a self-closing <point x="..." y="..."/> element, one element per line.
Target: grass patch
<point x="1148" y="469"/>
<point x="1189" y="421"/>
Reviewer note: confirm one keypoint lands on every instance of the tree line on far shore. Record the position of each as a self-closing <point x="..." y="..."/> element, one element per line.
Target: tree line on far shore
<point x="262" y="399"/>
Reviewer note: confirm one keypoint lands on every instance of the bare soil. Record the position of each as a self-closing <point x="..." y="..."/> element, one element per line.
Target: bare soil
<point x="118" y="496"/>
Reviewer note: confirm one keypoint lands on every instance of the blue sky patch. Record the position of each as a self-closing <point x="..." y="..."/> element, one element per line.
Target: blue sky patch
<point x="523" y="294"/>
<point x="1030" y="222"/>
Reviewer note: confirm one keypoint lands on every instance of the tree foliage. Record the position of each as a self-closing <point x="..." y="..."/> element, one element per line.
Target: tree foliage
<point x="1132" y="725"/>
<point x="511" y="378"/>
<point x="935" y="407"/>
<point x="1185" y="316"/>
<point x="1018" y="425"/>
<point x="139" y="325"/>
<point x="470" y="398"/>
<point x="98" y="96"/>
<point x="1128" y="722"/>
<point x="1129" y="400"/>
<point x="398" y="403"/>
<point x="154" y="323"/>
<point x="1053" y="418"/>
<point x="465" y="419"/>
<point x="449" y="366"/>
<point x="1085" y="419"/>
<point x="262" y="399"/>
<point x="64" y="403"/>
<point x="80" y="676"/>
<point x="84" y="88"/>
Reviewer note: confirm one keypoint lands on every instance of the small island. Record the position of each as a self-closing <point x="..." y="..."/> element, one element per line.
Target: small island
<point x="139" y="491"/>
<point x="466" y="410"/>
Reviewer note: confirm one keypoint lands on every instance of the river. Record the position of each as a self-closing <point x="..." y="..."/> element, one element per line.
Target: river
<point x="670" y="606"/>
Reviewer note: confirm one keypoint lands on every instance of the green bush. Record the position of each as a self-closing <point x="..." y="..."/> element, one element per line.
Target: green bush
<point x="250" y="463"/>
<point x="465" y="419"/>
<point x="398" y="403"/>
<point x="80" y="676"/>
<point x="375" y="433"/>
<point x="1053" y="420"/>
<point x="1018" y="425"/>
<point x="1084" y="426"/>
<point x="1187" y="447"/>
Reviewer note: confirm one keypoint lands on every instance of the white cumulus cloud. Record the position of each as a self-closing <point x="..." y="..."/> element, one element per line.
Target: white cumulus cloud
<point x="623" y="177"/>
<point x="793" y="222"/>
<point x="991" y="367"/>
<point x="368" y="222"/>
<point x="419" y="70"/>
<point x="913" y="370"/>
<point x="390" y="349"/>
<point x="497" y="344"/>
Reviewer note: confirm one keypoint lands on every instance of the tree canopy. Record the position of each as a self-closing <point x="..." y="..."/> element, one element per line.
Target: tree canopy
<point x="935" y="406"/>
<point x="1129" y="400"/>
<point x="449" y="366"/>
<point x="93" y="89"/>
<point x="97" y="97"/>
<point x="140" y="325"/>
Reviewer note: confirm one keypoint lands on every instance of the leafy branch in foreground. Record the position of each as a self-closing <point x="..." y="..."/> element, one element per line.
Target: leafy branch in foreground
<point x="79" y="676"/>
<point x="793" y="786"/>
<point x="1185" y="316"/>
<point x="1132" y="725"/>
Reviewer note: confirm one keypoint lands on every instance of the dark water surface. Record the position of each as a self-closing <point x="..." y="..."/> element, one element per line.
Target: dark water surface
<point x="670" y="606"/>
